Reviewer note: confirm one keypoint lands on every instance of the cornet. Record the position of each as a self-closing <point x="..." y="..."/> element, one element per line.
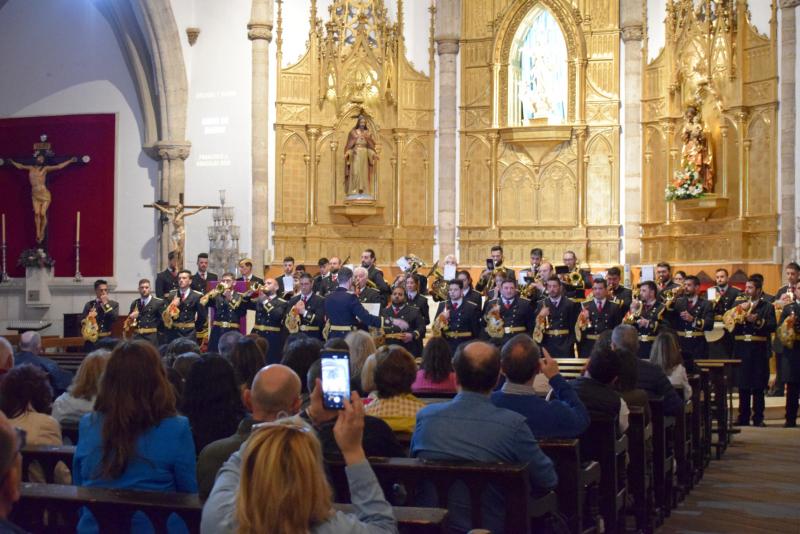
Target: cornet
<point x="219" y="289"/>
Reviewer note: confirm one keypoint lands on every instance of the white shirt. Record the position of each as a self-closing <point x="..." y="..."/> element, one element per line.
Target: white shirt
<point x="145" y="301"/>
<point x="678" y="377"/>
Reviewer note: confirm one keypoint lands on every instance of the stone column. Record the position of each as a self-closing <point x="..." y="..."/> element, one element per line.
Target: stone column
<point x="788" y="121"/>
<point x="173" y="156"/>
<point x="259" y="31"/>
<point x="448" y="31"/>
<point x="632" y="31"/>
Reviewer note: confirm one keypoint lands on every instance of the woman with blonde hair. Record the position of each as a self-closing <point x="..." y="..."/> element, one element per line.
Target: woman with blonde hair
<point x="666" y="353"/>
<point x="78" y="400"/>
<point x="277" y="482"/>
<point x="360" y="345"/>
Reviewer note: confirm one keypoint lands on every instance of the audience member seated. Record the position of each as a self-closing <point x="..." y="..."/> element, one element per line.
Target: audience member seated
<point x="134" y="439"/>
<point x="367" y="379"/>
<point x="471" y="428"/>
<point x="261" y="343"/>
<point x="276" y="483"/>
<point x="651" y="378"/>
<point x="12" y="440"/>
<point x="300" y="354"/>
<point x="6" y="356"/>
<point x="360" y="345"/>
<point x="628" y="380"/>
<point x="228" y="341"/>
<point x="395" y="371"/>
<point x="563" y="415"/>
<point x="274" y="393"/>
<point x="666" y="354"/>
<point x="379" y="439"/>
<point x="183" y="364"/>
<point x="246" y="359"/>
<point x="435" y="373"/>
<point x="30" y="345"/>
<point x="596" y="388"/>
<point x="179" y="346"/>
<point x="25" y="398"/>
<point x="79" y="399"/>
<point x="211" y="400"/>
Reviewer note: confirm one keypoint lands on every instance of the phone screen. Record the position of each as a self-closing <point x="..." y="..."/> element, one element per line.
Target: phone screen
<point x="490" y="264"/>
<point x="335" y="379"/>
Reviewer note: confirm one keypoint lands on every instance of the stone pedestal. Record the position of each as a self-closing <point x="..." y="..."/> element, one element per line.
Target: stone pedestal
<point x="37" y="287"/>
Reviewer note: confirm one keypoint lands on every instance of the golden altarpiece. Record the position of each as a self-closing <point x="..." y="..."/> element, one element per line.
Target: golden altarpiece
<point x="355" y="66"/>
<point x="716" y="60"/>
<point x="539" y="129"/>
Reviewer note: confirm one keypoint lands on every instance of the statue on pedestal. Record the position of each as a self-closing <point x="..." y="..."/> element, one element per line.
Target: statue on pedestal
<point x="696" y="152"/>
<point x="360" y="159"/>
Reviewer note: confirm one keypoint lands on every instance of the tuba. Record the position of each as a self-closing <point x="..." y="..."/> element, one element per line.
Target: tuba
<point x="90" y="330"/>
<point x="438" y="288"/>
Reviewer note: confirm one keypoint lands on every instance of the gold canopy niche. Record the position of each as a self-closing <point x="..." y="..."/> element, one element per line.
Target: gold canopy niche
<point x="529" y="177"/>
<point x="355" y="64"/>
<point x="715" y="56"/>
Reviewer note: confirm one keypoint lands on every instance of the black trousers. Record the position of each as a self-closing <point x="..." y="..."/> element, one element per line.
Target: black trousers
<point x="792" y="397"/>
<point x="744" y="405"/>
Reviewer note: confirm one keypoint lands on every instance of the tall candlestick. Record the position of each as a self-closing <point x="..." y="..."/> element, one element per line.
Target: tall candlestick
<point x="78" y="228"/>
<point x="4" y="228"/>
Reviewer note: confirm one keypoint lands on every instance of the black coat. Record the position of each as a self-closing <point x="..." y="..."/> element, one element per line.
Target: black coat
<point x="416" y="326"/>
<point x="518" y="318"/>
<point x="198" y="284"/>
<point x="559" y="338"/>
<point x="599" y="322"/>
<point x="754" y="353"/>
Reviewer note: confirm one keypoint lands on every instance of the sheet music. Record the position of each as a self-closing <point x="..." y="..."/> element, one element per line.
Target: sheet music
<point x="712" y="293"/>
<point x="288" y="283"/>
<point x="648" y="273"/>
<point x="403" y="264"/>
<point x="449" y="272"/>
<point x="374" y="308"/>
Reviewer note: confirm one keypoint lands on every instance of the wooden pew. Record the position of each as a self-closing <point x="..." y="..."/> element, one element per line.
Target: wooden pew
<point x="571" y="367"/>
<point x="61" y="342"/>
<point x="682" y="448"/>
<point x="416" y="476"/>
<point x="69" y="361"/>
<point x="600" y="443"/>
<point x="663" y="456"/>
<point x="578" y="485"/>
<point x="697" y="426"/>
<point x="640" y="470"/>
<point x="720" y="413"/>
<point x="47" y="457"/>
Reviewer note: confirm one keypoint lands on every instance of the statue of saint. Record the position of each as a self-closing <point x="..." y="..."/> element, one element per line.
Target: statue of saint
<point x="176" y="214"/>
<point x="37" y="174"/>
<point x="696" y="152"/>
<point x="360" y="159"/>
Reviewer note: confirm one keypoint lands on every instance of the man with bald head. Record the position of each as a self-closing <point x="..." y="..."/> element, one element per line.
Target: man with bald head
<point x="11" y="442"/>
<point x="30" y="345"/>
<point x="274" y="393"/>
<point x="6" y="356"/>
<point x="446" y="431"/>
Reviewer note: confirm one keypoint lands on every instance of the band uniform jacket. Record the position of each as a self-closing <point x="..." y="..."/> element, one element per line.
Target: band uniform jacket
<point x="483" y="282"/>
<point x="421" y="304"/>
<point x="312" y="323"/>
<point x="463" y="325"/>
<point x="166" y="281"/>
<point x="282" y="293"/>
<point x="149" y="319"/>
<point x="227" y="317"/>
<point x="270" y="314"/>
<point x="376" y="276"/>
<point x="190" y="312"/>
<point x="725" y="301"/>
<point x="622" y="296"/>
<point x="106" y="315"/>
<point x="416" y="327"/>
<point x="599" y="321"/>
<point x="751" y="344"/>
<point x="474" y="297"/>
<point x="660" y="288"/>
<point x="517" y="315"/>
<point x="253" y="280"/>
<point x="369" y="295"/>
<point x="321" y="285"/>
<point x="777" y="346"/>
<point x="647" y="334"/>
<point x="343" y="311"/>
<point x="422" y="283"/>
<point x="577" y="293"/>
<point x="790" y="362"/>
<point x="198" y="284"/>
<point x="559" y="337"/>
<point x="691" y="334"/>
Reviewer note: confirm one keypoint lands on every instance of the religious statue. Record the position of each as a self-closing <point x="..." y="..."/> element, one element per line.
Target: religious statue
<point x="40" y="195"/>
<point x="360" y="160"/>
<point x="696" y="153"/>
<point x="176" y="214"/>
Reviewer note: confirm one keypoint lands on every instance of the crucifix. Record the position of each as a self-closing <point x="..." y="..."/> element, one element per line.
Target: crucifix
<point x="176" y="215"/>
<point x="40" y="166"/>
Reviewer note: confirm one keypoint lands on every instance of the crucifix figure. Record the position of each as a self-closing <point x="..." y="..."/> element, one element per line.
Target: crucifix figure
<point x="37" y="175"/>
<point x="176" y="215"/>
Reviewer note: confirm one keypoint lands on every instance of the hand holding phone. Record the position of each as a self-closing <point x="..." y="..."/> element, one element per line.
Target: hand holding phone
<point x="335" y="379"/>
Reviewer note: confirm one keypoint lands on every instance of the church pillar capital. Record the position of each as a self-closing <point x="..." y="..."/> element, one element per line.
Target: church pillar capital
<point x="171" y="150"/>
<point x="633" y="32"/>
<point x="262" y="31"/>
<point x="788" y="4"/>
<point x="447" y="46"/>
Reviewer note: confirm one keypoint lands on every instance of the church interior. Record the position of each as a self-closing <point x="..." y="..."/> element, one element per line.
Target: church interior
<point x="299" y="172"/>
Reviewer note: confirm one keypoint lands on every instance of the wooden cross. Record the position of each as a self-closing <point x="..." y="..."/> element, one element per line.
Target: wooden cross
<point x="175" y="214"/>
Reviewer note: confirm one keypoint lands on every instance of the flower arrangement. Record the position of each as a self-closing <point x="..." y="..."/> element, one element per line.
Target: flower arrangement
<point x="36" y="257"/>
<point x="686" y="184"/>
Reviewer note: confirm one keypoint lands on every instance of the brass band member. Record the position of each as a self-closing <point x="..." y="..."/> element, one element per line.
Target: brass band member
<point x="646" y="314"/>
<point x="246" y="271"/>
<point x="202" y="277"/>
<point x="288" y="271"/>
<point x="555" y="321"/>
<point x="784" y="296"/>
<point x="183" y="311"/>
<point x="789" y="332"/>
<point x="270" y="313"/>
<point x="144" y="317"/>
<point x="664" y="282"/>
<point x="752" y="321"/>
<point x="416" y="299"/>
<point x="320" y="281"/>
<point x="167" y="280"/>
<point x="598" y="315"/>
<point x="487" y="280"/>
<point x="576" y="280"/>
<point x="507" y="315"/>
<point x="229" y="308"/>
<point x="307" y="309"/>
<point x="330" y="283"/>
<point x="691" y="317"/>
<point x="621" y="295"/>
<point x="532" y="272"/>
<point x="98" y="316"/>
<point x="457" y="319"/>
<point x="361" y="286"/>
<point x="725" y="299"/>
<point x="410" y="339"/>
<point x="468" y="293"/>
<point x="375" y="275"/>
<point x="533" y="287"/>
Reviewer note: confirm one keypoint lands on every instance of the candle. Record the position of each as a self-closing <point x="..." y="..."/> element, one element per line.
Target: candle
<point x="4" y="228"/>
<point x="78" y="228"/>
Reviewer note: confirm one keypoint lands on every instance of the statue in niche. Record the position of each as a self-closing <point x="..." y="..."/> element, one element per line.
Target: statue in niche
<point x="696" y="152"/>
<point x="360" y="159"/>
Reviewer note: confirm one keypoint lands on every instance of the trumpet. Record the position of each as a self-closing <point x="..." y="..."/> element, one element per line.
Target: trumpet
<point x="438" y="289"/>
<point x="574" y="278"/>
<point x="670" y="295"/>
<point x="584" y="322"/>
<point x="219" y="289"/>
<point x="529" y="290"/>
<point x="90" y="330"/>
<point x="634" y="313"/>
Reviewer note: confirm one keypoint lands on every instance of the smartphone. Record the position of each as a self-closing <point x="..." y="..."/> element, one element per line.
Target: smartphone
<point x="489" y="264"/>
<point x="335" y="378"/>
